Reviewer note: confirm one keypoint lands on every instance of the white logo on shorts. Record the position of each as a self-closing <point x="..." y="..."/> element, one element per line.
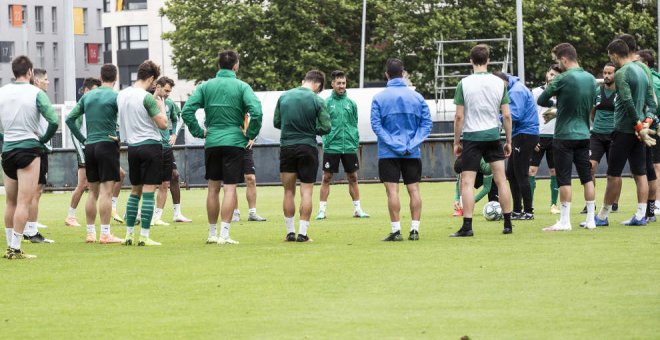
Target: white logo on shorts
<point x="327" y="165"/>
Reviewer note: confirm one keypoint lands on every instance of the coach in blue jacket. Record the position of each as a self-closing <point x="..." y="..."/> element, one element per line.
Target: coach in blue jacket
<point x="401" y="121"/>
<point x="525" y="133"/>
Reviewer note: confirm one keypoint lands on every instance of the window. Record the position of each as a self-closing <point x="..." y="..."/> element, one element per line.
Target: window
<point x="17" y="19"/>
<point x="85" y="20"/>
<point x="99" y="16"/>
<point x="129" y="5"/>
<point x="133" y="37"/>
<point x="53" y="11"/>
<point x="6" y="51"/>
<point x="56" y="56"/>
<point x="106" y="6"/>
<point x="56" y="90"/>
<point x="41" y="59"/>
<point x="108" y="39"/>
<point x="39" y="18"/>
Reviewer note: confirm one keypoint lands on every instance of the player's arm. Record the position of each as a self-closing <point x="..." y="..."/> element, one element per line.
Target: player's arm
<point x="277" y="118"/>
<point x="459" y="117"/>
<point x="545" y="99"/>
<point x="253" y="106"/>
<point x="506" y="122"/>
<point x="323" y="123"/>
<point x="194" y="103"/>
<point x="424" y="129"/>
<point x="175" y="113"/>
<point x="46" y="110"/>
<point x="650" y="101"/>
<point x="156" y="110"/>
<point x="624" y="95"/>
<point x="71" y="121"/>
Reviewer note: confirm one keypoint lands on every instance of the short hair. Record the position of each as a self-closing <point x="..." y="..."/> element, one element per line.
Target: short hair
<point x="162" y="81"/>
<point x="647" y="57"/>
<point x="227" y="59"/>
<point x="394" y="67"/>
<point x="609" y="64"/>
<point x="337" y="74"/>
<point x="90" y="82"/>
<point x="629" y="40"/>
<point x="565" y="50"/>
<point x="479" y="54"/>
<point x="109" y="73"/>
<point x="316" y="76"/>
<point x="618" y="47"/>
<point x="501" y="75"/>
<point x="20" y="66"/>
<point x="39" y="73"/>
<point x="556" y="68"/>
<point x="148" y="69"/>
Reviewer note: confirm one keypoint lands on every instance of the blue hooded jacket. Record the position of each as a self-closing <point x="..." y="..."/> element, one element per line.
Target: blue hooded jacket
<point x="401" y="120"/>
<point x="524" y="116"/>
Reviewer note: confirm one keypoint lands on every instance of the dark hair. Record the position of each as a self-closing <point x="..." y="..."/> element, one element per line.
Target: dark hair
<point x="316" y="76"/>
<point x="109" y="73"/>
<point x="20" y="66"/>
<point x="148" y="69"/>
<point x="394" y="67"/>
<point x="501" y="75"/>
<point x="89" y="83"/>
<point x="647" y="57"/>
<point x="479" y="54"/>
<point x="556" y="68"/>
<point x="629" y="40"/>
<point x="618" y="47"/>
<point x="337" y="74"/>
<point x="38" y="73"/>
<point x="227" y="59"/>
<point x="565" y="50"/>
<point x="162" y="81"/>
<point x="609" y="64"/>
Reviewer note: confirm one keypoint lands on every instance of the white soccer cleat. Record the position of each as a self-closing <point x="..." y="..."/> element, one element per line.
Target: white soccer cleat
<point x="236" y="217"/>
<point x="181" y="219"/>
<point x="558" y="227"/>
<point x="212" y="240"/>
<point x="222" y="241"/>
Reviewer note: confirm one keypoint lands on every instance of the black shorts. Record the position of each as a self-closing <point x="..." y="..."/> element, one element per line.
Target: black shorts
<point x="145" y="164"/>
<point x="168" y="164"/>
<point x="650" y="169"/>
<point x="248" y="163"/>
<point x="102" y="162"/>
<point x="656" y="150"/>
<point x="17" y="159"/>
<point x="43" y="169"/>
<point x="599" y="145"/>
<point x="626" y="147"/>
<point x="474" y="151"/>
<point x="350" y="162"/>
<point x="224" y="163"/>
<point x="569" y="152"/>
<point x="545" y="147"/>
<point x="301" y="159"/>
<point x="391" y="169"/>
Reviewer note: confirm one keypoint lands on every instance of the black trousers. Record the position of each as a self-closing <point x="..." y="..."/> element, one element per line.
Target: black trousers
<point x="517" y="171"/>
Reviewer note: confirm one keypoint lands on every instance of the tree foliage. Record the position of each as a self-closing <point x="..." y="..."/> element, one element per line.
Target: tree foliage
<point x="279" y="40"/>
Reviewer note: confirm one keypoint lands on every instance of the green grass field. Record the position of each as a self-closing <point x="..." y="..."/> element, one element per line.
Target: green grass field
<point x="600" y="284"/>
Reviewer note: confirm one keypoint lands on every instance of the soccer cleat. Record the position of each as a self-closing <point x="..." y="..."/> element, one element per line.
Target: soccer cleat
<point x="255" y="218"/>
<point x="109" y="239"/>
<point x="515" y="215"/>
<point x="463" y="233"/>
<point x="236" y="217"/>
<point x="145" y="241"/>
<point x="212" y="240"/>
<point x="635" y="222"/>
<point x="584" y="210"/>
<point x="91" y="238"/>
<point x="159" y="222"/>
<point x="394" y="237"/>
<point x="526" y="216"/>
<point x="6" y="254"/>
<point x="37" y="238"/>
<point x="303" y="238"/>
<point x="129" y="240"/>
<point x="116" y="217"/>
<point x="554" y="209"/>
<point x="650" y="219"/>
<point x="181" y="219"/>
<point x="414" y="235"/>
<point x="615" y="207"/>
<point x="17" y="254"/>
<point x="290" y="237"/>
<point x="71" y="221"/>
<point x="458" y="213"/>
<point x="558" y="227"/>
<point x="507" y="231"/>
<point x="597" y="222"/>
<point x="321" y="215"/>
<point x="222" y="241"/>
<point x="360" y="214"/>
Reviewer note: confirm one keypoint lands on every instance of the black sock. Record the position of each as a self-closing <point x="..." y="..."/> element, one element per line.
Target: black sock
<point x="507" y="220"/>
<point x="467" y="223"/>
<point x="650" y="208"/>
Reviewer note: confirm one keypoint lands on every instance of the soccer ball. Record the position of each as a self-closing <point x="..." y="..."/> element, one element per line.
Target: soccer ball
<point x="492" y="211"/>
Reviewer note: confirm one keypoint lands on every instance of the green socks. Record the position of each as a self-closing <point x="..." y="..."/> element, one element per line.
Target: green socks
<point x="131" y="210"/>
<point x="532" y="183"/>
<point x="147" y="209"/>
<point x="554" y="189"/>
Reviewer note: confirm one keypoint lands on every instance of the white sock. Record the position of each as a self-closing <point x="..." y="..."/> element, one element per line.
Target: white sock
<point x="105" y="229"/>
<point x="604" y="211"/>
<point x="91" y="228"/>
<point x="224" y="230"/>
<point x="323" y="205"/>
<point x="290" y="225"/>
<point x="303" y="227"/>
<point x="72" y="212"/>
<point x="130" y="230"/>
<point x="30" y="229"/>
<point x="16" y="240"/>
<point x="641" y="211"/>
<point x="591" y="207"/>
<point x="114" y="203"/>
<point x="177" y="210"/>
<point x="356" y="205"/>
<point x="144" y="232"/>
<point x="657" y="204"/>
<point x="415" y="226"/>
<point x="8" y="233"/>
<point x="565" y="213"/>
<point x="252" y="211"/>
<point x="213" y="230"/>
<point x="396" y="226"/>
<point x="237" y="211"/>
<point x="157" y="214"/>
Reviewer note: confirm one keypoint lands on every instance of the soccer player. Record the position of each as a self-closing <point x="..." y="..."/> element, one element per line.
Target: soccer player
<point x="341" y="145"/>
<point x="99" y="108"/>
<point x="525" y="132"/>
<point x="575" y="91"/>
<point x="546" y="132"/>
<point x="225" y="100"/>
<point x="483" y="180"/>
<point x="649" y="60"/>
<point x="401" y="120"/>
<point x="141" y="115"/>
<point x="250" y="178"/>
<point x="301" y="115"/>
<point x="71" y="220"/>
<point x="479" y="99"/>
<point x="21" y="106"/>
